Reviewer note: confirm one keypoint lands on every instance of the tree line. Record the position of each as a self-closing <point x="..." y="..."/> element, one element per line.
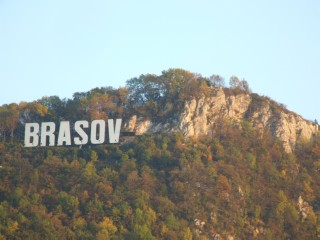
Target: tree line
<point x="148" y="95"/>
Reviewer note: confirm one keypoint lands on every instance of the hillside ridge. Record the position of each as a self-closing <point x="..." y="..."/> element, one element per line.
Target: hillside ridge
<point x="199" y="116"/>
<point x="176" y="100"/>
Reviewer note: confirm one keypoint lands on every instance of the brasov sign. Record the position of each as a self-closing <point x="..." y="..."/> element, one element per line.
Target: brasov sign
<point x="45" y="133"/>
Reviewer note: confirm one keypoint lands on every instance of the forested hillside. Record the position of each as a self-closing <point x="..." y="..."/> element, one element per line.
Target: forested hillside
<point x="234" y="183"/>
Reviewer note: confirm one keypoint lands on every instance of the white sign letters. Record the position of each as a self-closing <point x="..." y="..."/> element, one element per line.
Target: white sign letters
<point x="45" y="133"/>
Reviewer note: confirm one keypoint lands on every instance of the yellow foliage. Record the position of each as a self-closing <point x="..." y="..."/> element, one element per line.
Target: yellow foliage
<point x="13" y="227"/>
<point x="164" y="230"/>
<point x="107" y="229"/>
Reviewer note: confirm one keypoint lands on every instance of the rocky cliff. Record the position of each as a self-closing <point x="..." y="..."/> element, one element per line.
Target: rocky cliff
<point x="198" y="116"/>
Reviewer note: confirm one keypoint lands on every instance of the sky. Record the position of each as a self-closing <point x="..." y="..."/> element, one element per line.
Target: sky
<point x="59" y="47"/>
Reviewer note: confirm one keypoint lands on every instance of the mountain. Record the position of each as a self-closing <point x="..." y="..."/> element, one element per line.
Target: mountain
<point x="207" y="162"/>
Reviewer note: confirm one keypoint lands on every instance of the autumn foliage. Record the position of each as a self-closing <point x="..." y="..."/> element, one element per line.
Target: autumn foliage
<point x="234" y="182"/>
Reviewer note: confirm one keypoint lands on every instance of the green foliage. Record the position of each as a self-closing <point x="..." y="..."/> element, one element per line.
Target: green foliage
<point x="142" y="232"/>
<point x="69" y="204"/>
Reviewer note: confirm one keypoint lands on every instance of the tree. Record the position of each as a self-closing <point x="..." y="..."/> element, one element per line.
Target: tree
<point x="4" y="119"/>
<point x="77" y="107"/>
<point x="9" y="119"/>
<point x="144" y="89"/>
<point x="154" y="95"/>
<point x="236" y="84"/>
<point x="68" y="203"/>
<point x="56" y="107"/>
<point x="106" y="229"/>
<point x="13" y="118"/>
<point x="142" y="232"/>
<point x="32" y="112"/>
<point x="186" y="234"/>
<point x="216" y="81"/>
<point x="90" y="172"/>
<point x="245" y="86"/>
<point x="146" y="216"/>
<point x="175" y="79"/>
<point x="102" y="106"/>
<point x="146" y="94"/>
<point x="223" y="187"/>
<point x="194" y="89"/>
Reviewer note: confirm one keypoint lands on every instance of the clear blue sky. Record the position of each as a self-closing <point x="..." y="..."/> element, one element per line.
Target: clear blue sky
<point x="60" y="47"/>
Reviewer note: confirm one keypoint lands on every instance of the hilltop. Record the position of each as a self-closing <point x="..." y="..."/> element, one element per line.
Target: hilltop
<point x="175" y="101"/>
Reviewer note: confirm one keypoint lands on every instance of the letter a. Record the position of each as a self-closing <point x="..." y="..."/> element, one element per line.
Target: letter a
<point x="64" y="133"/>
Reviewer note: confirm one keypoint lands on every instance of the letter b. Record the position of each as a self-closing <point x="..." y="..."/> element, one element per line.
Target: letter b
<point x="31" y="137"/>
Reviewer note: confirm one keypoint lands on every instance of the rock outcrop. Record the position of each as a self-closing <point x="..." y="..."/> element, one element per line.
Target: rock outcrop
<point x="304" y="208"/>
<point x="198" y="116"/>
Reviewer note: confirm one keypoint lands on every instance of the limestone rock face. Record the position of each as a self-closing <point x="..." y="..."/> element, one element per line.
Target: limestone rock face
<point x="198" y="116"/>
<point x="304" y="208"/>
<point x="292" y="127"/>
